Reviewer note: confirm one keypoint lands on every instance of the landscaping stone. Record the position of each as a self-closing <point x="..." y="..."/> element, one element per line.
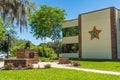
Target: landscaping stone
<point x="75" y="64"/>
<point x="64" y="61"/>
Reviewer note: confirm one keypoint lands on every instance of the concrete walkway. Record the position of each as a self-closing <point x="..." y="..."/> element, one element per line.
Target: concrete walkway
<point x="92" y="70"/>
<point x="68" y="66"/>
<point x="1" y="64"/>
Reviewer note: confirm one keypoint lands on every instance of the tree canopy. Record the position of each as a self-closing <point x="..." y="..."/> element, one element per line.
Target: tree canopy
<point x="47" y="22"/>
<point x="2" y="30"/>
<point x="16" y="11"/>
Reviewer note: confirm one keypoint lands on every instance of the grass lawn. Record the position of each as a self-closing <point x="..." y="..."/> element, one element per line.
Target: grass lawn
<point x="43" y="59"/>
<point x="100" y="64"/>
<point x="94" y="64"/>
<point x="54" y="74"/>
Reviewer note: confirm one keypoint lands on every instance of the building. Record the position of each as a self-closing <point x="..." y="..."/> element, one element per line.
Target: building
<point x="94" y="35"/>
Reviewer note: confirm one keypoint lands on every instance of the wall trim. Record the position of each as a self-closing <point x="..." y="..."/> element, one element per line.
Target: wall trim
<point x="80" y="35"/>
<point x="113" y="33"/>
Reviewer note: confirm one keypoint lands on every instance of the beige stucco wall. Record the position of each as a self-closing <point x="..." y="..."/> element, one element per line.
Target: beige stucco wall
<point x="70" y="23"/>
<point x="118" y="32"/>
<point x="96" y="49"/>
<point x="70" y="40"/>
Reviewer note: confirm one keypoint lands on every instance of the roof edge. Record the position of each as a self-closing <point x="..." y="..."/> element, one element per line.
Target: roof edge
<point x="98" y="10"/>
<point x="71" y="20"/>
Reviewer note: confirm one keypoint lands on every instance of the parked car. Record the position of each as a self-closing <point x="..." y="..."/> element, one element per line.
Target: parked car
<point x="3" y="55"/>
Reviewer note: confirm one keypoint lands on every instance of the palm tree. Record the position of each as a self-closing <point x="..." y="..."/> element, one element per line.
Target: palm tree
<point x="16" y="11"/>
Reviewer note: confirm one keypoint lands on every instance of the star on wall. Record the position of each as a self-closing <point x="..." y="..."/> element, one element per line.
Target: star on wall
<point x="94" y="33"/>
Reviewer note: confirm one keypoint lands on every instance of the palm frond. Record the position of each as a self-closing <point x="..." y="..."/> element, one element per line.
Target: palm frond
<point x="15" y="10"/>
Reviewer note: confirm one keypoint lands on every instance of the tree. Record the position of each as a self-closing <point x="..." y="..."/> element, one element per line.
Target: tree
<point x="16" y="10"/>
<point x="9" y="29"/>
<point x="47" y="22"/>
<point x="2" y="31"/>
<point x="51" y="45"/>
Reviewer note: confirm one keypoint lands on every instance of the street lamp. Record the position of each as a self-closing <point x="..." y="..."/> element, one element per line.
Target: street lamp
<point x="7" y="45"/>
<point x="57" y="48"/>
<point x="57" y="51"/>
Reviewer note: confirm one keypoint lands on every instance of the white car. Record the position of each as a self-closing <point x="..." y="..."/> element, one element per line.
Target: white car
<point x="3" y="55"/>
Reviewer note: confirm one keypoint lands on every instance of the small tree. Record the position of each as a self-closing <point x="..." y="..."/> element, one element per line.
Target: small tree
<point x="47" y="22"/>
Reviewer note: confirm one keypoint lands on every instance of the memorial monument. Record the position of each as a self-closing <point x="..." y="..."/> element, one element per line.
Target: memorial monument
<point x="24" y="57"/>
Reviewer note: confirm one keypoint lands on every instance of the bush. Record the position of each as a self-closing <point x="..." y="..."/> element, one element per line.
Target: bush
<point x="20" y="67"/>
<point x="42" y="60"/>
<point x="76" y="64"/>
<point x="54" y="56"/>
<point x="14" y="50"/>
<point x="40" y="51"/>
<point x="21" y="46"/>
<point x="9" y="66"/>
<point x="30" y="66"/>
<point x="45" y="51"/>
<point x="47" y="66"/>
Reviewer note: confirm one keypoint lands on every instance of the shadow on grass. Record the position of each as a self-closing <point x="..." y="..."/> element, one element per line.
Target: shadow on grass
<point x="78" y="59"/>
<point x="96" y="60"/>
<point x="117" y="66"/>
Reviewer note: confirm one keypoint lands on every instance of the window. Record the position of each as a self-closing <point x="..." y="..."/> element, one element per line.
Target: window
<point x="70" y="48"/>
<point x="119" y="24"/>
<point x="72" y="31"/>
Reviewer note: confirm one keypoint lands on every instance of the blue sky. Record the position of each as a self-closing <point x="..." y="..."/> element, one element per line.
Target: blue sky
<point x="73" y="8"/>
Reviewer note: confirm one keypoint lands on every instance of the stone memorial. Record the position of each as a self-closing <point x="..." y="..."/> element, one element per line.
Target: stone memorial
<point x="24" y="57"/>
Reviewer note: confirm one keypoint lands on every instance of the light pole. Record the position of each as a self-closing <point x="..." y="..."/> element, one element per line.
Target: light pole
<point x="57" y="51"/>
<point x="57" y="46"/>
<point x="7" y="45"/>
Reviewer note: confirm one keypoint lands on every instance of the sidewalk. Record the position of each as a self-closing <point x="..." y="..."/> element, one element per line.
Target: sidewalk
<point x="1" y="64"/>
<point x="92" y="70"/>
<point x="68" y="66"/>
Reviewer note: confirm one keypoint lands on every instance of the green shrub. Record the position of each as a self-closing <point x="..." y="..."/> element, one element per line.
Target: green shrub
<point x="76" y="64"/>
<point x="21" y="46"/>
<point x="14" y="50"/>
<point x="47" y="66"/>
<point x="30" y="66"/>
<point x="20" y="67"/>
<point x="9" y="66"/>
<point x="40" y="51"/>
<point x="43" y="51"/>
<point x="42" y="60"/>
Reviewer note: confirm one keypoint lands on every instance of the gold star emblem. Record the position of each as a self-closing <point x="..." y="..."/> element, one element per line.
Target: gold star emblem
<point x="94" y="33"/>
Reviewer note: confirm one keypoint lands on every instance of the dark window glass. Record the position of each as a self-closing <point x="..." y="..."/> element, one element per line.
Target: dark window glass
<point x="119" y="24"/>
<point x="72" y="31"/>
<point x="70" y="48"/>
